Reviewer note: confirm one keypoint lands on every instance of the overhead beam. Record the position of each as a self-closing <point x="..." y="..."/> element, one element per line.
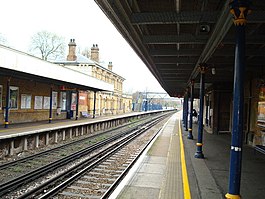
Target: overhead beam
<point x="174" y="60"/>
<point x="175" y="66"/>
<point x="171" y="52"/>
<point x="174" y="52"/>
<point x="184" y="17"/>
<point x="173" y="17"/>
<point x="163" y="70"/>
<point x="231" y="52"/>
<point x="257" y="39"/>
<point x="175" y="39"/>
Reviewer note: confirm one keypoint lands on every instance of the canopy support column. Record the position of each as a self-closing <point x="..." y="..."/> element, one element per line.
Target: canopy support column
<point x="199" y="153"/>
<point x="190" y="136"/>
<point x="239" y="9"/>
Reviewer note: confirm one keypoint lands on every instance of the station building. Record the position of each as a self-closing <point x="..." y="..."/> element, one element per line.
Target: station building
<point x="107" y="103"/>
<point x="38" y="90"/>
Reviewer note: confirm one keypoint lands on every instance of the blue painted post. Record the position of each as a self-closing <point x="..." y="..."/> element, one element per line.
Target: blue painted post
<point x="7" y="102"/>
<point x="190" y="136"/>
<point x="94" y="109"/>
<point x="77" y="104"/>
<point x="183" y="110"/>
<point x="50" y="111"/>
<point x="186" y="110"/>
<point x="239" y="9"/>
<point x="199" y="153"/>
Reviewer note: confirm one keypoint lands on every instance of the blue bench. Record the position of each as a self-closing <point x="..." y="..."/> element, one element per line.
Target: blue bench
<point x="260" y="148"/>
<point x="85" y="114"/>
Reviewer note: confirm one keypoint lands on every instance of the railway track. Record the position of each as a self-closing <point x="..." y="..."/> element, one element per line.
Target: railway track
<point x="21" y="181"/>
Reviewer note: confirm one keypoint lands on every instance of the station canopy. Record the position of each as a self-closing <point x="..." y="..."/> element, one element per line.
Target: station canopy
<point x="173" y="37"/>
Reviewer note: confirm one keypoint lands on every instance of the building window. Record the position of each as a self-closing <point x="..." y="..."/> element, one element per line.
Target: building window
<point x="63" y="101"/>
<point x="13" y="97"/>
<point x="1" y="95"/>
<point x="25" y="101"/>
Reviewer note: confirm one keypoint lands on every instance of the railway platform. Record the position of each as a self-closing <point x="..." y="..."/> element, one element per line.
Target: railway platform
<point x="160" y="172"/>
<point x="22" y="137"/>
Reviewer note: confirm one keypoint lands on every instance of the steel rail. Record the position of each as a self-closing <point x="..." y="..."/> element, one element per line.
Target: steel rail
<point x="83" y="167"/>
<point x="17" y="182"/>
<point x="124" y="173"/>
<point x="8" y="164"/>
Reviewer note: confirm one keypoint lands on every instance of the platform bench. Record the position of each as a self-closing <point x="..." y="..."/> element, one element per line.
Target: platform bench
<point x="85" y="114"/>
<point x="260" y="148"/>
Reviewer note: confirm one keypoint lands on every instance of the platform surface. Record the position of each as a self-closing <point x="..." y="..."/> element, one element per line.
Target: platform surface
<point x="159" y="173"/>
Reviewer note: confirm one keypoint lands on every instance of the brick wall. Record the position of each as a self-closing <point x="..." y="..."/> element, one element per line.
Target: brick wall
<point x="29" y="88"/>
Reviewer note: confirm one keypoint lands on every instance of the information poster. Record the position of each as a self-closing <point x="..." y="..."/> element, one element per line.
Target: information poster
<point x="46" y="102"/>
<point x="38" y="102"/>
<point x="25" y="101"/>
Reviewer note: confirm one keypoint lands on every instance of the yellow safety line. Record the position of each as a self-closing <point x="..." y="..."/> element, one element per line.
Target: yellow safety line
<point x="185" y="180"/>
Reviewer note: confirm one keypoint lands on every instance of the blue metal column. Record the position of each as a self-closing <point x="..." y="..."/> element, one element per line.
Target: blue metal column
<point x="77" y="104"/>
<point x="190" y="136"/>
<point x="239" y="9"/>
<point x="199" y="153"/>
<point x="187" y="110"/>
<point x="50" y="111"/>
<point x="94" y="110"/>
<point x="183" y="112"/>
<point x="7" y="102"/>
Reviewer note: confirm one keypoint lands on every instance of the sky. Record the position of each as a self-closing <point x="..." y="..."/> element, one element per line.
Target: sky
<point x="83" y="21"/>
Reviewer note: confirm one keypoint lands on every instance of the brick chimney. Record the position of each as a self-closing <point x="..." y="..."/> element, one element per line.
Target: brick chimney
<point x="110" y="66"/>
<point x="72" y="47"/>
<point x="95" y="53"/>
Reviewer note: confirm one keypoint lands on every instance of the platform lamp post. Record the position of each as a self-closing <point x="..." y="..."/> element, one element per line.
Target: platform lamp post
<point x="190" y="136"/>
<point x="199" y="153"/>
<point x="240" y="9"/>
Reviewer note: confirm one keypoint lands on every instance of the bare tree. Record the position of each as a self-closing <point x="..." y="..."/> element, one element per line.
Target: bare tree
<point x="48" y="45"/>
